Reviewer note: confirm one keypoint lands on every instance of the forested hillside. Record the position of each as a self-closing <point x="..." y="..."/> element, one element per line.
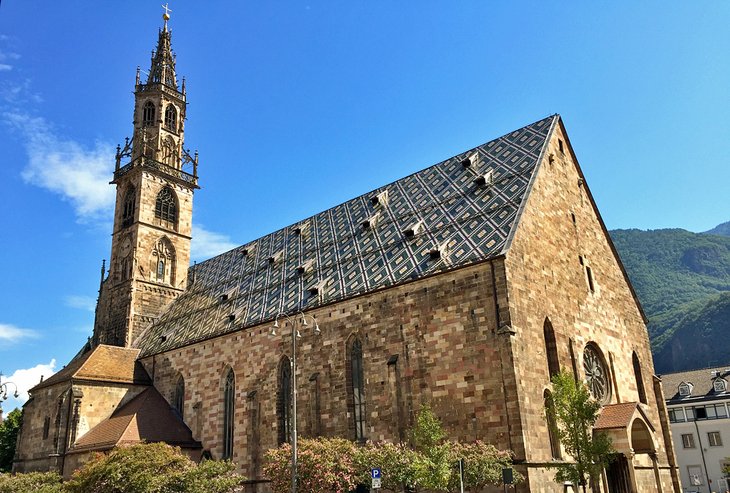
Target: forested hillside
<point x="683" y="282"/>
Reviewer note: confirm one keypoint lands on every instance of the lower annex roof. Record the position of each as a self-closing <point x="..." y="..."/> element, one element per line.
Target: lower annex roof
<point x="452" y="214"/>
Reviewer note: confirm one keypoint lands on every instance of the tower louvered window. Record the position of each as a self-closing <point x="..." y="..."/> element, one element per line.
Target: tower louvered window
<point x="166" y="206"/>
<point x="551" y="349"/>
<point x="283" y="402"/>
<point x="128" y="207"/>
<point x="171" y="118"/>
<point x="357" y="389"/>
<point x="148" y="114"/>
<point x="228" y="409"/>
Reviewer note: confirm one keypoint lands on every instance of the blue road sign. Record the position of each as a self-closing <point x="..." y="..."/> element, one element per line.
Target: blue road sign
<point x="375" y="473"/>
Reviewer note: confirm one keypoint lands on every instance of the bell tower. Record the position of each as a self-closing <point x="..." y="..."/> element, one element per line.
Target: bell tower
<point x="155" y="178"/>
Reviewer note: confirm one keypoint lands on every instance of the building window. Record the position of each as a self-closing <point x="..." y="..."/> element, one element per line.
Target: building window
<point x="171" y="118"/>
<point x="714" y="438"/>
<point x="719" y="385"/>
<point x="560" y="146"/>
<point x="639" y="379"/>
<point x="589" y="273"/>
<point x="161" y="270"/>
<point x="688" y="440"/>
<point x="46" y="427"/>
<point x="162" y="262"/>
<point x="178" y="400"/>
<point x="357" y="389"/>
<point x="552" y="425"/>
<point x="551" y="349"/>
<point x="148" y="114"/>
<point x="283" y="402"/>
<point x="676" y="415"/>
<point x="685" y="389"/>
<point x="128" y="207"/>
<point x="597" y="375"/>
<point x="170" y="154"/>
<point x="228" y="411"/>
<point x="166" y="206"/>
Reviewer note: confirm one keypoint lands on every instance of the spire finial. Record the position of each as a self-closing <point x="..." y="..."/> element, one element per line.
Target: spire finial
<point x="166" y="15"/>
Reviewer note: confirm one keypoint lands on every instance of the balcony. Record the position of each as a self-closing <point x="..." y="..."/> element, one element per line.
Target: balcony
<point x="164" y="169"/>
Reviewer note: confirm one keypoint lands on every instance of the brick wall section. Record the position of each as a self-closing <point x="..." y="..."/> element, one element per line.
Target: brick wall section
<point x="443" y="330"/>
<point x="547" y="280"/>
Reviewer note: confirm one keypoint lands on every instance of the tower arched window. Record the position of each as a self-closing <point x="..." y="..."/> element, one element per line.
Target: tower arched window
<point x="171" y="118"/>
<point x="229" y="390"/>
<point x="148" y="114"/>
<point x="178" y="399"/>
<point x="161" y="269"/>
<point x="357" y="389"/>
<point x="283" y="401"/>
<point x="163" y="262"/>
<point x="639" y="378"/>
<point x="552" y="425"/>
<point x="551" y="349"/>
<point x="170" y="154"/>
<point x="128" y="207"/>
<point x="166" y="207"/>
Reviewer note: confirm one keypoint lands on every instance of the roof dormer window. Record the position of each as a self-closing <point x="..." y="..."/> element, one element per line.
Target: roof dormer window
<point x="485" y="179"/>
<point x="381" y="199"/>
<point x="472" y="160"/>
<point x="685" y="389"/>
<point x="413" y="229"/>
<point x="371" y="222"/>
<point x="719" y="385"/>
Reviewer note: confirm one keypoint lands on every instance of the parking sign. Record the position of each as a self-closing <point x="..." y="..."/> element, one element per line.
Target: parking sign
<point x="375" y="473"/>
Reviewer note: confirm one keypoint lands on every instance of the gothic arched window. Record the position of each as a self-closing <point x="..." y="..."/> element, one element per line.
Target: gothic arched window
<point x="551" y="349"/>
<point x="166" y="206"/>
<point x="171" y="118"/>
<point x="229" y="390"/>
<point x="148" y="114"/>
<point x="128" y="207"/>
<point x="163" y="262"/>
<point x="170" y="154"/>
<point x="552" y="425"/>
<point x="178" y="399"/>
<point x="283" y="401"/>
<point x="357" y="389"/>
<point x="639" y="379"/>
<point x="597" y="374"/>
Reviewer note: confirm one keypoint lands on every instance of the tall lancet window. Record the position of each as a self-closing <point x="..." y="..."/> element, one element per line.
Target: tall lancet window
<point x="171" y="118"/>
<point x="552" y="425"/>
<point x="229" y="393"/>
<point x="283" y="402"/>
<point x="166" y="207"/>
<point x="639" y="378"/>
<point x="128" y="207"/>
<point x="551" y="349"/>
<point x="178" y="400"/>
<point x="357" y="389"/>
<point x="148" y="114"/>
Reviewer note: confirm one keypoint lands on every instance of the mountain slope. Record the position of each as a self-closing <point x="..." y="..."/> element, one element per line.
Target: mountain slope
<point x="721" y="229"/>
<point x="679" y="277"/>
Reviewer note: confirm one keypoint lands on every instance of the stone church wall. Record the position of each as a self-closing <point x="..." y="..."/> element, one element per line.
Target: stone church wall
<point x="433" y="340"/>
<point x="559" y="237"/>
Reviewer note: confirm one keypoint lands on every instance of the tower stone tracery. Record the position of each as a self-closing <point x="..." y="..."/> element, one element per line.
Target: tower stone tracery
<point x="155" y="179"/>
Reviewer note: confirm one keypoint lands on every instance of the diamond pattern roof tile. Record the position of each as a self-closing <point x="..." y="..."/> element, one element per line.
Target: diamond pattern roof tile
<point x="474" y="220"/>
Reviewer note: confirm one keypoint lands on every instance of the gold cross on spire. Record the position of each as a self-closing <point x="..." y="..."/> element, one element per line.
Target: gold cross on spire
<point x="166" y="15"/>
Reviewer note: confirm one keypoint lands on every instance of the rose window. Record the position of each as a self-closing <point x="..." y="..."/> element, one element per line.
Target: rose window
<point x="596" y="374"/>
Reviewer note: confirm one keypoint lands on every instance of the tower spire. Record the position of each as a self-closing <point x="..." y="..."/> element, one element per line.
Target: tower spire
<point x="162" y="70"/>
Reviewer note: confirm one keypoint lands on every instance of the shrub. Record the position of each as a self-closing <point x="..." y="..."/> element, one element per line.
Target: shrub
<point x="33" y="482"/>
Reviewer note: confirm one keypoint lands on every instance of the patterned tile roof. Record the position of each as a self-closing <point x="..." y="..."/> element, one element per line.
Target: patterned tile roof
<point x="445" y="216"/>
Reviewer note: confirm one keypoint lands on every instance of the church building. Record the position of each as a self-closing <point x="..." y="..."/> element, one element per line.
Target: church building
<point x="465" y="285"/>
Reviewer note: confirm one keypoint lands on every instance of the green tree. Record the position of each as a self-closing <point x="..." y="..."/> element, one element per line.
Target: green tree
<point x="575" y="414"/>
<point x="8" y="437"/>
<point x="153" y="468"/>
<point x="33" y="482"/>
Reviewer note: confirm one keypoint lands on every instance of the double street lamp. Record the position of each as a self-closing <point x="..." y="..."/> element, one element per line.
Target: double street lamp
<point x="4" y="393"/>
<point x="296" y="321"/>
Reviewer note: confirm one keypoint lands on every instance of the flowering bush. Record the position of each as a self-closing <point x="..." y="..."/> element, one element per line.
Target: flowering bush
<point x="34" y="482"/>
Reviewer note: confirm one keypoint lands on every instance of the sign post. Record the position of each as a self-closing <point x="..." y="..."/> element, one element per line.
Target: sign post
<point x="377" y="478"/>
<point x="507" y="477"/>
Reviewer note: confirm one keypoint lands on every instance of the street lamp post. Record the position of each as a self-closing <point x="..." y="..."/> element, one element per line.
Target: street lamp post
<point x="4" y="393"/>
<point x="299" y="319"/>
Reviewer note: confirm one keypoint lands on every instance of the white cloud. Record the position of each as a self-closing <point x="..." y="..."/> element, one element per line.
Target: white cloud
<point x="25" y="379"/>
<point x="11" y="333"/>
<point x="206" y="244"/>
<point x="78" y="174"/>
<point x="5" y="67"/>
<point x="81" y="302"/>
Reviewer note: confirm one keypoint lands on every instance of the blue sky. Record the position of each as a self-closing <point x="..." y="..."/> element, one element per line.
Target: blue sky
<point x="298" y="106"/>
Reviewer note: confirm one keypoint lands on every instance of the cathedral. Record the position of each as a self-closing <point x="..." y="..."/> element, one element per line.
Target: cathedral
<point x="465" y="285"/>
